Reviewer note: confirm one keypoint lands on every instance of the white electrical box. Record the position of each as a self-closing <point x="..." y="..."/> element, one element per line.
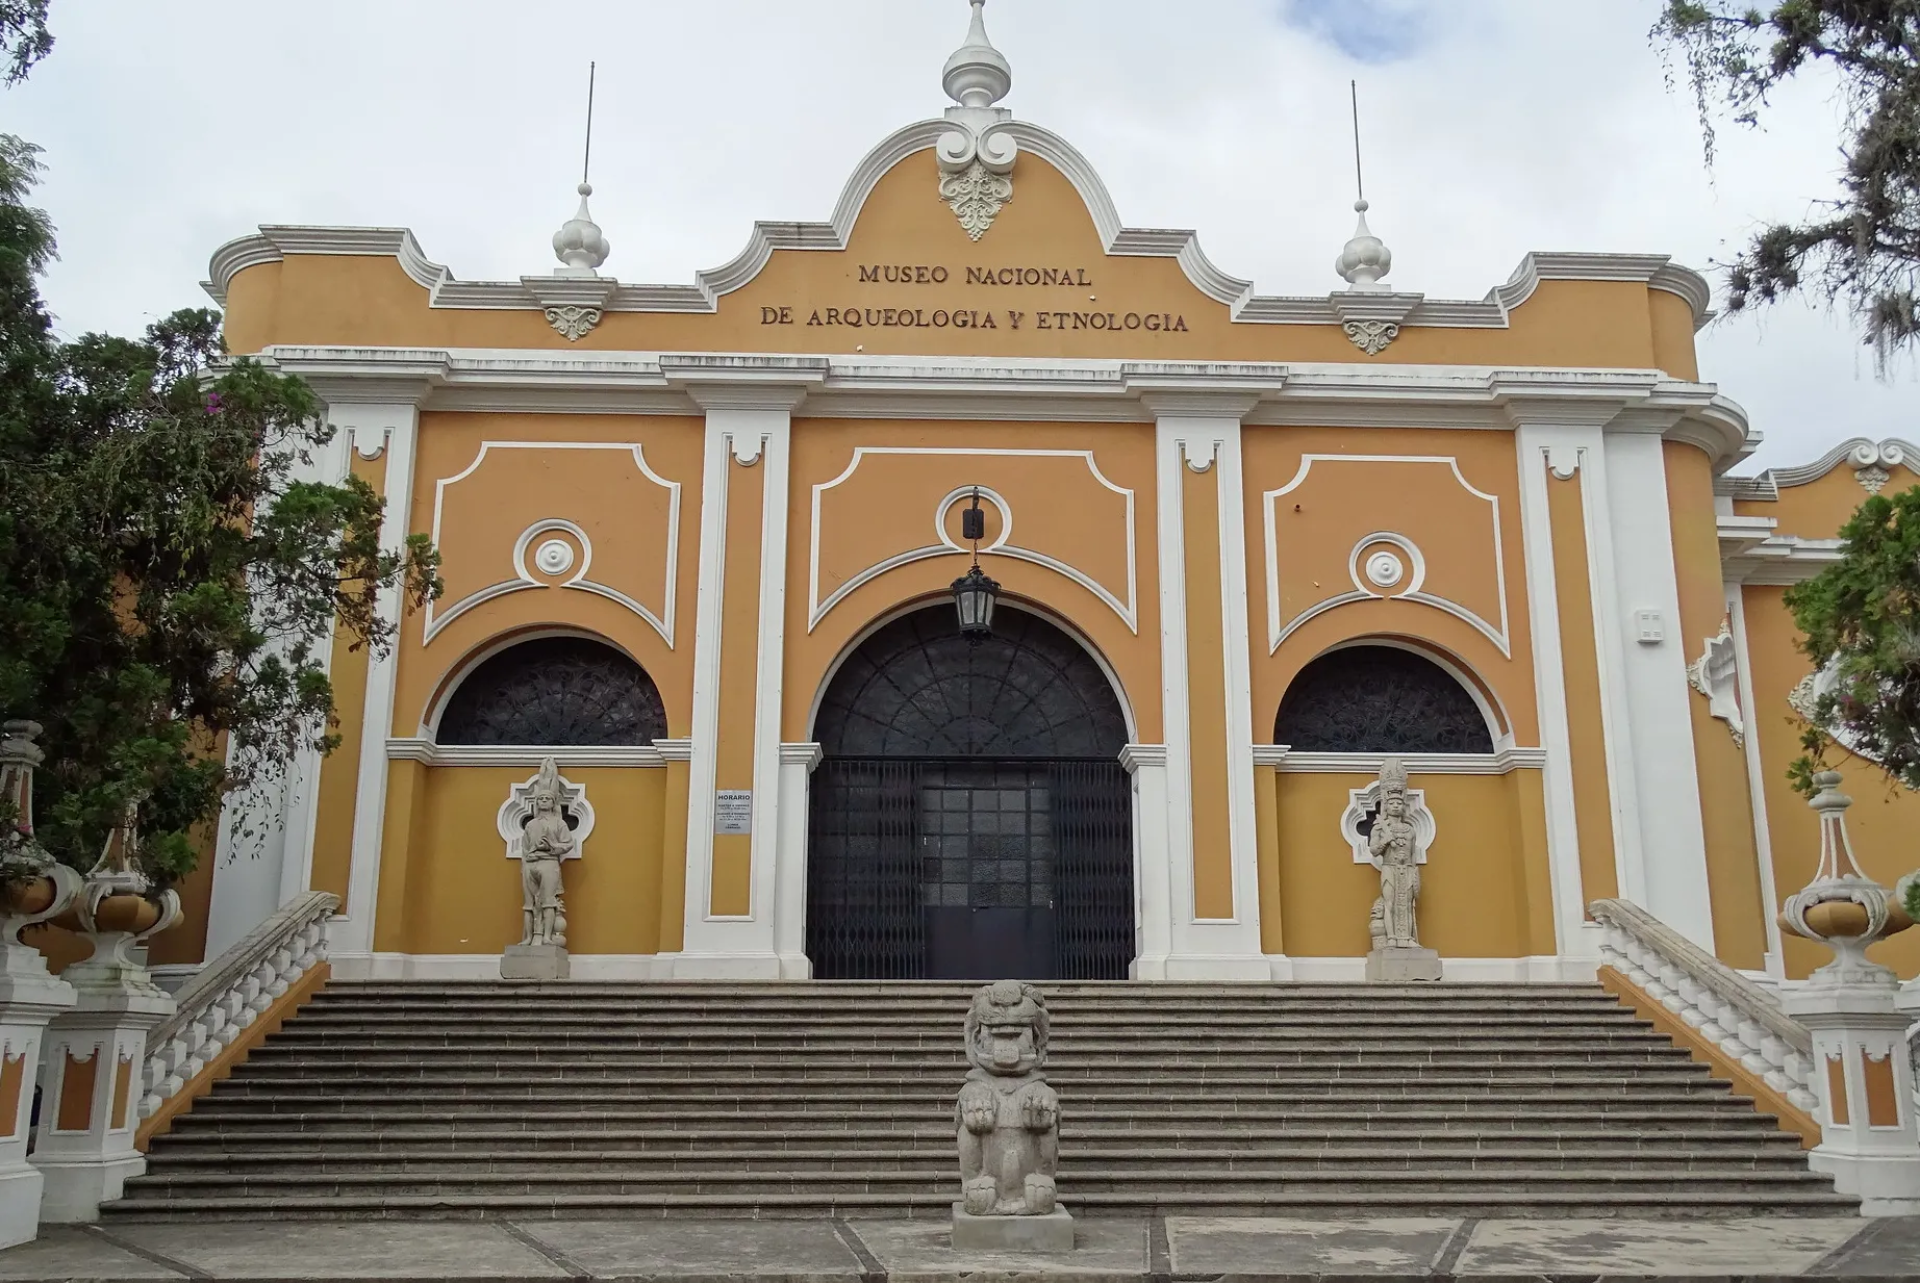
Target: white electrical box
<point x="1649" y="629"/>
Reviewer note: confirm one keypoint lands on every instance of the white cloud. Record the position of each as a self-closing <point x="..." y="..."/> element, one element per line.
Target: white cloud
<point x="1508" y="125"/>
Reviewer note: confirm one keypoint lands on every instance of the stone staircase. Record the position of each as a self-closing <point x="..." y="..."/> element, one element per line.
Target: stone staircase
<point x="425" y="1099"/>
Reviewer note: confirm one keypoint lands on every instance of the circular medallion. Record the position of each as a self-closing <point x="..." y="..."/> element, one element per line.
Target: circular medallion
<point x="555" y="556"/>
<point x="1385" y="569"/>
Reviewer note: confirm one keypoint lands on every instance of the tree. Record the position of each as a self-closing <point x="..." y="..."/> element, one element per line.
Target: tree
<point x="1863" y="249"/>
<point x="1860" y="620"/>
<point x="169" y="584"/>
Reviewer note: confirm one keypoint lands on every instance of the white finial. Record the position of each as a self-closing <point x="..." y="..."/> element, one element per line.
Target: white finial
<point x="977" y="75"/>
<point x="1366" y="258"/>
<point x="579" y="243"/>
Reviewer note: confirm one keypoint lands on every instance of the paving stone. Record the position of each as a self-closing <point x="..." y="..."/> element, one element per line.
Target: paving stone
<point x="365" y="1250"/>
<point x="786" y="1251"/>
<point x="1771" y="1246"/>
<point x="70" y="1252"/>
<point x="1267" y="1245"/>
<point x="919" y="1252"/>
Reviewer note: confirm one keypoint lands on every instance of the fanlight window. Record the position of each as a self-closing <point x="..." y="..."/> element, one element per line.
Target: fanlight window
<point x="1379" y="699"/>
<point x="555" y="691"/>
<point x="917" y="688"/>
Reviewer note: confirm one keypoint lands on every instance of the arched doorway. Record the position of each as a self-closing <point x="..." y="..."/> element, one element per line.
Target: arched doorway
<point x="970" y="818"/>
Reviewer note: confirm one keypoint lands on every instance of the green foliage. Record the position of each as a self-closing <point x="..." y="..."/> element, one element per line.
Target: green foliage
<point x="1862" y="616"/>
<point x="1863" y="249"/>
<point x="24" y="38"/>
<point x="169" y="584"/>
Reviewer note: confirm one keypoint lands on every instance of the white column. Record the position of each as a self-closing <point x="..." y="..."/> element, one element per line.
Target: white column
<point x="1194" y="433"/>
<point x="263" y="846"/>
<point x="399" y="424"/>
<point x="1563" y="450"/>
<point x="1152" y="868"/>
<point x="790" y="887"/>
<point x="750" y="425"/>
<point x="1648" y="675"/>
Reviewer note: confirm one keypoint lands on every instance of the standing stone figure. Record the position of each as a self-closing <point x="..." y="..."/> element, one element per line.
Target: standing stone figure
<point x="1008" y="1120"/>
<point x="546" y="842"/>
<point x="1394" y="848"/>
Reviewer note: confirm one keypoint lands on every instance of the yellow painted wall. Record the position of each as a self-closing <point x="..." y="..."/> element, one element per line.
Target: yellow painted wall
<point x="890" y="503"/>
<point x="1206" y="695"/>
<point x="1483" y="891"/>
<point x="731" y="892"/>
<point x="1726" y="805"/>
<point x="342" y="299"/>
<point x="1320" y="521"/>
<point x="461" y="893"/>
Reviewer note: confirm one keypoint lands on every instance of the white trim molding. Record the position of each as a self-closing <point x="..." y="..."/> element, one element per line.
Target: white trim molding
<point x="1504" y="762"/>
<point x="523" y="578"/>
<point x="420" y="749"/>
<point x="945" y="545"/>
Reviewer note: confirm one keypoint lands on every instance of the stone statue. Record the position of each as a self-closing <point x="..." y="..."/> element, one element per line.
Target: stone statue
<point x="543" y="844"/>
<point x="546" y="841"/>
<point x="1008" y="1120"/>
<point x="1393" y="846"/>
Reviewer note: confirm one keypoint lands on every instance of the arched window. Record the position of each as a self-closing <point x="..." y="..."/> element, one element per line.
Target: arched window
<point x="558" y="691"/>
<point x="1379" y="699"/>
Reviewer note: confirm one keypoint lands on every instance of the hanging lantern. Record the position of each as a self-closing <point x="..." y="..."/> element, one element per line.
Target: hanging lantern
<point x="973" y="596"/>
<point x="974" y="593"/>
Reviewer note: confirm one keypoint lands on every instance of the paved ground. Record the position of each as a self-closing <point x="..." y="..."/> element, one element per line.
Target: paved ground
<point x="1123" y="1251"/>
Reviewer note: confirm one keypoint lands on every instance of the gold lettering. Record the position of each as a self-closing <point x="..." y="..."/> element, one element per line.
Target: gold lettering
<point x="869" y="274"/>
<point x="1013" y="319"/>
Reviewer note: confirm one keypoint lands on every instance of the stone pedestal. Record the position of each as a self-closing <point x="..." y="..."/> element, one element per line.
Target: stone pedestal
<point x="90" y="1095"/>
<point x="1862" y="1074"/>
<point x="1050" y="1233"/>
<point x="1399" y="966"/>
<point x="29" y="998"/>
<point x="535" y="962"/>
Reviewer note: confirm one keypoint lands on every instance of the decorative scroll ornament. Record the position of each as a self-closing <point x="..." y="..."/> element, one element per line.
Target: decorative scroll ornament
<point x="1873" y="465"/>
<point x="1372" y="337"/>
<point x="572" y="322"/>
<point x="1716" y="675"/>
<point x="976" y="156"/>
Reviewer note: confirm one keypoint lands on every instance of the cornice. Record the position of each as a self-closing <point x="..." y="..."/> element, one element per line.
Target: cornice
<point x="1776" y="560"/>
<point x="1861" y="452"/>
<point x="1327" y="395"/>
<point x="1285" y="759"/>
<point x="273" y="243"/>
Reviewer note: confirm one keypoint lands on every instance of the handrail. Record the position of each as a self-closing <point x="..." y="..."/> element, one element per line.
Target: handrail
<point x="1728" y="1010"/>
<point x="232" y="991"/>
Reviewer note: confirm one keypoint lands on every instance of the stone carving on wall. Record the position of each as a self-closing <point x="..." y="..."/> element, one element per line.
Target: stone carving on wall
<point x="1873" y="464"/>
<point x="573" y="322"/>
<point x="976" y="156"/>
<point x="1395" y="849"/>
<point x="1371" y="337"/>
<point x="1008" y="1121"/>
<point x="534" y="822"/>
<point x="1716" y="675"/>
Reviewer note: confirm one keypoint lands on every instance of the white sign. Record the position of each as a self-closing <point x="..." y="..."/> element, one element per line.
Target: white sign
<point x="733" y="811"/>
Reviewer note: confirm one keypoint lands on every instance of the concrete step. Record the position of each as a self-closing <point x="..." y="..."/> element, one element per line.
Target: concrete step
<point x="492" y="1141"/>
<point x="1155" y="1180"/>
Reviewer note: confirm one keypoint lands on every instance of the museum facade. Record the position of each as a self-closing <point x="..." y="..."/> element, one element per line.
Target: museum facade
<point x="706" y="546"/>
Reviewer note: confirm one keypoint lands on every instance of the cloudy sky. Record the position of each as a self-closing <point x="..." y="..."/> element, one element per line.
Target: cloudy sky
<point x="1492" y="127"/>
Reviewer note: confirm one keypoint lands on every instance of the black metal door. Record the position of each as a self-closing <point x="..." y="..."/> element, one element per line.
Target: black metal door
<point x="967" y="868"/>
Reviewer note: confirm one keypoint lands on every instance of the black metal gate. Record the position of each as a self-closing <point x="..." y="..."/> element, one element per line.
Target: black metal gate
<point x="970" y="868"/>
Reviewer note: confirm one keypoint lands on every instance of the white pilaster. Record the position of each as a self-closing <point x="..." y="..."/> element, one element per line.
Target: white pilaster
<point x="29" y="998"/>
<point x="790" y="861"/>
<point x="1152" y="866"/>
<point x="1195" y="433"/>
<point x="1650" y="678"/>
<point x="1869" y="1143"/>
<point x="1775" y="960"/>
<point x="1564" y="450"/>
<point x="753" y="426"/>
<point x="398" y="424"/>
